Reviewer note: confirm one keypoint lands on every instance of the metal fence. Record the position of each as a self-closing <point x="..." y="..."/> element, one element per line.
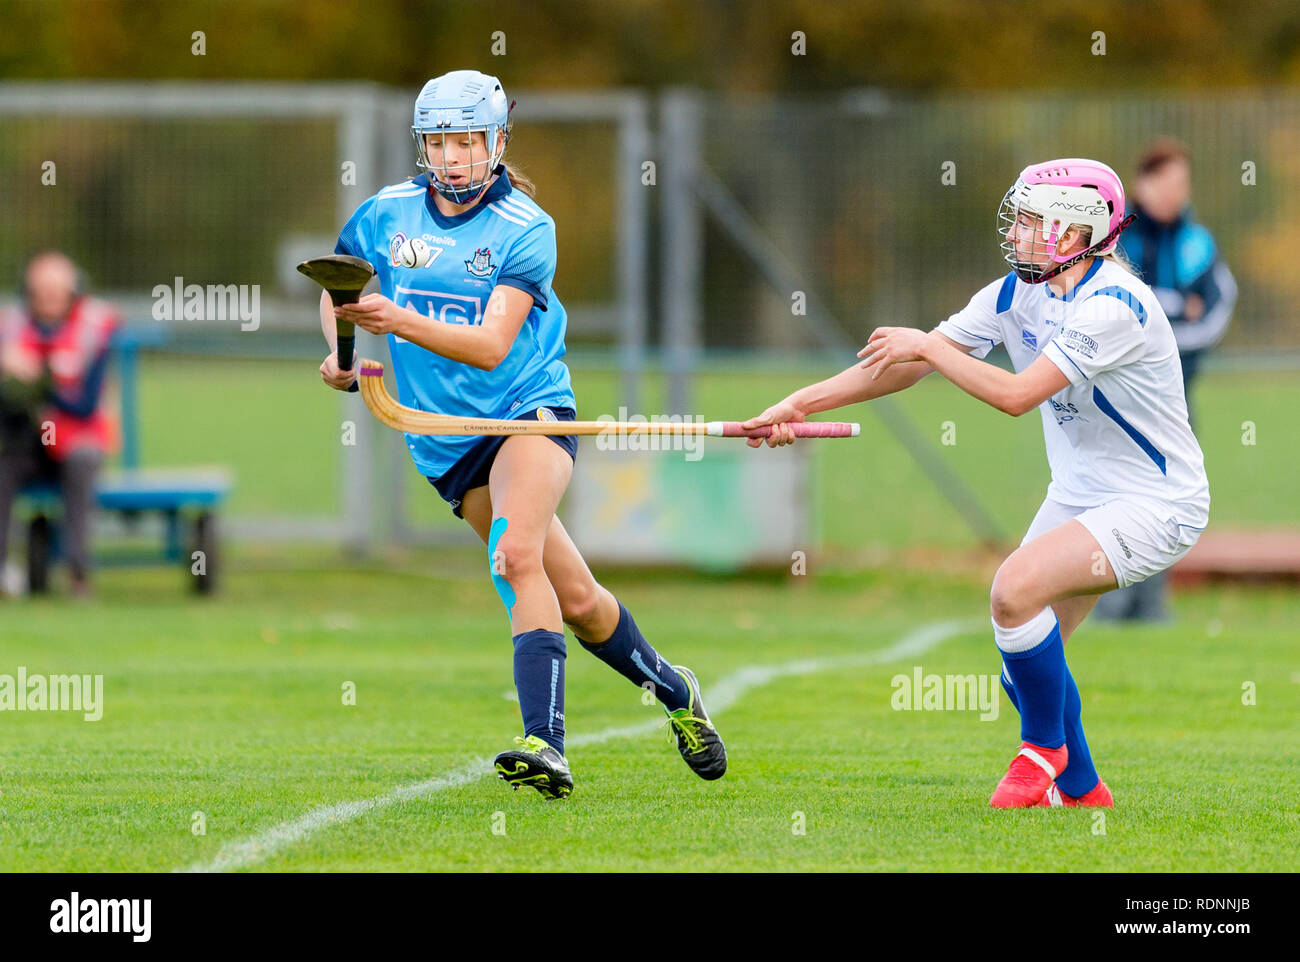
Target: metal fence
<point x="686" y="222"/>
<point x="844" y="198"/>
<point x="233" y="184"/>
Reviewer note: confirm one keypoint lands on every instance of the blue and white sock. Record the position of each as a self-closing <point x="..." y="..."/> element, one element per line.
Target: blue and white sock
<point x="1034" y="658"/>
<point x="1080" y="775"/>
<point x="629" y="654"/>
<point x="539" y="680"/>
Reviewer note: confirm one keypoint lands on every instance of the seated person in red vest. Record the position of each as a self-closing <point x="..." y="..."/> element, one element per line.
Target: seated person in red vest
<point x="53" y="359"/>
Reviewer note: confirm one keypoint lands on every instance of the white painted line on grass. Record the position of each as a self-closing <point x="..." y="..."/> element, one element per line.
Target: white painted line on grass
<point x="719" y="697"/>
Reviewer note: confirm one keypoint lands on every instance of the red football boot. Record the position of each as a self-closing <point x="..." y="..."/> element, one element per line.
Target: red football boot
<point x="1031" y="774"/>
<point x="1099" y="797"/>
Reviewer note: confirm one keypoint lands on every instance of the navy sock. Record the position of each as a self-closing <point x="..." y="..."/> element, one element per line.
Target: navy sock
<point x="629" y="654"/>
<point x="539" y="680"/>
<point x="1080" y="775"/>
<point x="1038" y="675"/>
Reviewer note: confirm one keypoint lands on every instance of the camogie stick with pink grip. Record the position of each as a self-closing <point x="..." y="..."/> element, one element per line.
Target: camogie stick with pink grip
<point x="801" y="429"/>
<point x="384" y="407"/>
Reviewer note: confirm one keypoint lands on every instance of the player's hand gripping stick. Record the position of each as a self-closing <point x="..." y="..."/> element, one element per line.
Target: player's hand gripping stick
<point x="344" y="278"/>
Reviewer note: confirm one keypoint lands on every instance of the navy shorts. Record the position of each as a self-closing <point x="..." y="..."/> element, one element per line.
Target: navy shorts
<point x="474" y="466"/>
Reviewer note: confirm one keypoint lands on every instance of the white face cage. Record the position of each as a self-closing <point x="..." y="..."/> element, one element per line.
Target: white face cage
<point x="1028" y="240"/>
<point x="469" y="189"/>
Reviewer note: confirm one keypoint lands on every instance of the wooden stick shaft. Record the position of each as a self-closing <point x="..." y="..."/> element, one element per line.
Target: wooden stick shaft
<point x="386" y="409"/>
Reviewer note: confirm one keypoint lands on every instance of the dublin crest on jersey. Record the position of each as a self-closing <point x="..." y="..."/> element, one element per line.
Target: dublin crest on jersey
<point x="480" y="265"/>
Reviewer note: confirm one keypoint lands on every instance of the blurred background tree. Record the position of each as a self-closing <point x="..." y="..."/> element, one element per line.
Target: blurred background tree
<point x="917" y="45"/>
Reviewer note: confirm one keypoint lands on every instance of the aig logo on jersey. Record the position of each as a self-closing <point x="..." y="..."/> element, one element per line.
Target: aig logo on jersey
<point x="480" y="265"/>
<point x="442" y="307"/>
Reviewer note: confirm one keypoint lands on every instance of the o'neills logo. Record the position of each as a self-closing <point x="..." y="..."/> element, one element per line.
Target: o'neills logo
<point x="103" y="916"/>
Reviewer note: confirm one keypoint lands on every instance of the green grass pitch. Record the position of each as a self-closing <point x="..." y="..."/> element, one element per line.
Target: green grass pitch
<point x="233" y="708"/>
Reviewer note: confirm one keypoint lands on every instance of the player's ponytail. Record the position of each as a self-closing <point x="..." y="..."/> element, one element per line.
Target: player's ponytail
<point x="521" y="181"/>
<point x="1115" y="256"/>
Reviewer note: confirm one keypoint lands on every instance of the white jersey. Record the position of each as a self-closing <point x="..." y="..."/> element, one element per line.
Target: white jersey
<point x="1120" y="427"/>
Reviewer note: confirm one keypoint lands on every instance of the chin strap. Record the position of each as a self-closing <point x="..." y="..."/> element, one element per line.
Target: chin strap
<point x="1090" y="252"/>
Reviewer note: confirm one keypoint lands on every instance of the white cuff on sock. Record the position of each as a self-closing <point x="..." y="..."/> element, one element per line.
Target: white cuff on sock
<point x="1023" y="637"/>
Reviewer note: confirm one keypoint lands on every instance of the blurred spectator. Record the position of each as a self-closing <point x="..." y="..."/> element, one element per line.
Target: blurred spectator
<point x="53" y="356"/>
<point x="1178" y="258"/>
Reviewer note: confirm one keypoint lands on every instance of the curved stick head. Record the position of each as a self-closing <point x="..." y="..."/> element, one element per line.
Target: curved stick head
<point x="345" y="277"/>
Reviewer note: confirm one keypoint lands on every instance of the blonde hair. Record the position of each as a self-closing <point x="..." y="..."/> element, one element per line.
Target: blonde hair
<point x="1116" y="256"/>
<point x="521" y="181"/>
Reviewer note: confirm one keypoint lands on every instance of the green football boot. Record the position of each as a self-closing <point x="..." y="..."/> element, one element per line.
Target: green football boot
<point x="537" y="764"/>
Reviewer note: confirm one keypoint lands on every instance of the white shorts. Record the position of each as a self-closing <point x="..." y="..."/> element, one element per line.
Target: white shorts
<point x="1141" y="536"/>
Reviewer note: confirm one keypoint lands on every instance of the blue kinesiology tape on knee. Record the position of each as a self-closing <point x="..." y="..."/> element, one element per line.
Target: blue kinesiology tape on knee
<point x="506" y="592"/>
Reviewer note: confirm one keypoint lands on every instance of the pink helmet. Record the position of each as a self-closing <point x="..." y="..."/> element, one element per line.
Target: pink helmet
<point x="1061" y="194"/>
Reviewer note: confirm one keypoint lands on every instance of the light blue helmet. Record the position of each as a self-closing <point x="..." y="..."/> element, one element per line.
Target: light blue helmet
<point x="463" y="100"/>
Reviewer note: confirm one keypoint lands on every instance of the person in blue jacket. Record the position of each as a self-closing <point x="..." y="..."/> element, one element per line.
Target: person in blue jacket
<point x="1179" y="261"/>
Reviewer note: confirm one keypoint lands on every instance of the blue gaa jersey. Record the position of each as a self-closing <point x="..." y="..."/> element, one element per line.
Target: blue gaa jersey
<point x="504" y="239"/>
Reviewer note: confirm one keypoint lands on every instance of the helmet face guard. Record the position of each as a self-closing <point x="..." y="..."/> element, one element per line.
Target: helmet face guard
<point x="468" y="190"/>
<point x="453" y="107"/>
<point x="1045" y="201"/>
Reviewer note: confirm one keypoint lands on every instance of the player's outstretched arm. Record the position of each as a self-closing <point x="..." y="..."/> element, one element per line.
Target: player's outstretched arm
<point x="848" y="387"/>
<point x="1014" y="394"/>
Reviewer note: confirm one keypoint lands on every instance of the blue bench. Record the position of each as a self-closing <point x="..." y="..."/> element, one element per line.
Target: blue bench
<point x="180" y="495"/>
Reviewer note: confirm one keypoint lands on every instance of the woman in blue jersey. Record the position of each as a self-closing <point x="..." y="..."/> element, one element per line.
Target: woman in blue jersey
<point x="465" y="259"/>
<point x="1094" y="352"/>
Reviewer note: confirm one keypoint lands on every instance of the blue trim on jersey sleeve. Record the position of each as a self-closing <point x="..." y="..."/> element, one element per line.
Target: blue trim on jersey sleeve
<point x="1006" y="292"/>
<point x="1127" y="297"/>
<point x="1066" y="354"/>
<point x="1138" y="437"/>
<point x="527" y="286"/>
<point x="978" y="337"/>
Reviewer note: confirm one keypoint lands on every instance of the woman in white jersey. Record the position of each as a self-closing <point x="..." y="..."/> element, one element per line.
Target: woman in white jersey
<point x="1094" y="352"/>
<point x="465" y="259"/>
